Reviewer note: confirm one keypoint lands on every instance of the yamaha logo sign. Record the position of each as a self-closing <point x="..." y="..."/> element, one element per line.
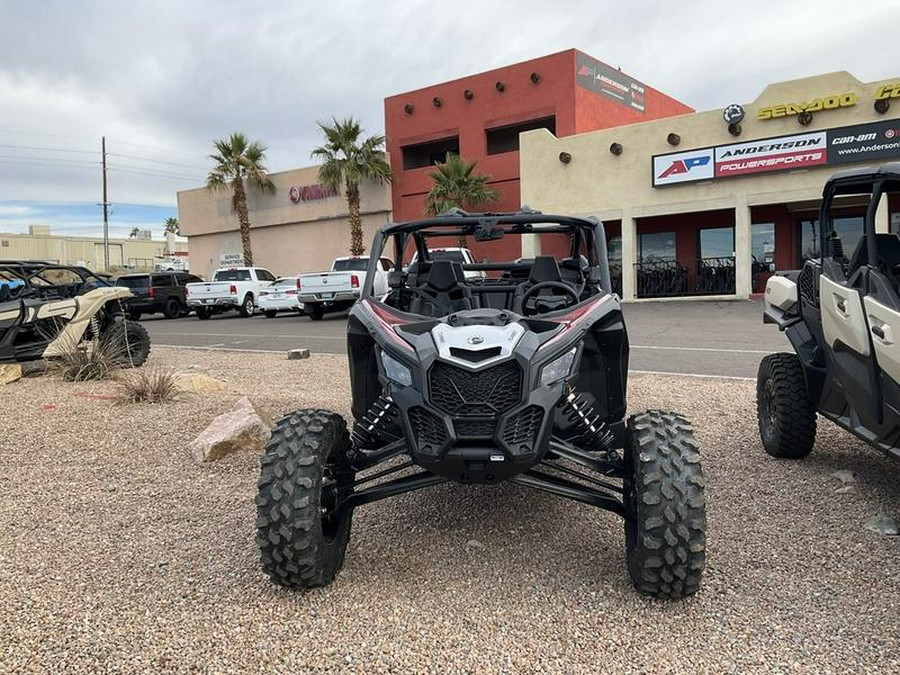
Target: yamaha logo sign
<point x="475" y="340"/>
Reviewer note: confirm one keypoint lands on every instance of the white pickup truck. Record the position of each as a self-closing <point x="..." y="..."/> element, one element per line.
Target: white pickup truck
<point x="337" y="290"/>
<point x="230" y="288"/>
<point x="455" y="254"/>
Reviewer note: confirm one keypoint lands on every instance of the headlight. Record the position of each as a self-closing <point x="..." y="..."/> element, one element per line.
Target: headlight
<point x="396" y="371"/>
<point x="559" y="368"/>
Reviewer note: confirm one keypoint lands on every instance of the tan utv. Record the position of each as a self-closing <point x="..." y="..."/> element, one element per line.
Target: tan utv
<point x="841" y="313"/>
<point x="47" y="309"/>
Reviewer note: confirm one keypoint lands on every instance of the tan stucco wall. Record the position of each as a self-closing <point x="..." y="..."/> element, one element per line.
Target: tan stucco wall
<point x="611" y="187"/>
<point x="286" y="237"/>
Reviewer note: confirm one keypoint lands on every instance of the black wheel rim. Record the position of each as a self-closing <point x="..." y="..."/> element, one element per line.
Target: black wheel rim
<point x="334" y="491"/>
<point x="768" y="411"/>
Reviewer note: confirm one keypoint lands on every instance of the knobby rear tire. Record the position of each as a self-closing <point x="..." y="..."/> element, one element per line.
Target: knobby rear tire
<point x="787" y="418"/>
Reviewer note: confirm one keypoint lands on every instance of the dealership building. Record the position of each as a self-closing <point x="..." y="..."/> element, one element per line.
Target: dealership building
<point x="711" y="203"/>
<point x="695" y="204"/>
<point x="298" y="228"/>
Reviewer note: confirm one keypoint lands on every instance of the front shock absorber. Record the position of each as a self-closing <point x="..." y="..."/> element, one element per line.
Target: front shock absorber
<point x="592" y="432"/>
<point x="369" y="431"/>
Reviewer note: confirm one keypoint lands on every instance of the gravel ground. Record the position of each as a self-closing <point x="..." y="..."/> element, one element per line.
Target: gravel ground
<point x="119" y="554"/>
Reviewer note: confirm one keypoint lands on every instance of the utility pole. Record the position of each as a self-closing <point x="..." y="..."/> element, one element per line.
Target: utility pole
<point x="105" y="212"/>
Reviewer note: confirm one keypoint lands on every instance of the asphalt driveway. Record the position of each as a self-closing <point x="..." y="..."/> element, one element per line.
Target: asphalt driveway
<point x="716" y="339"/>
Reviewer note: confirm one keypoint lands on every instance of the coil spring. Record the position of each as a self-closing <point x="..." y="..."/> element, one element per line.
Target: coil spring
<point x="593" y="434"/>
<point x="368" y="431"/>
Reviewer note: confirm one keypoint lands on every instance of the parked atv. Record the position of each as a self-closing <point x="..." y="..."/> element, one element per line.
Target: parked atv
<point x="47" y="310"/>
<point x="515" y="374"/>
<point x="842" y="317"/>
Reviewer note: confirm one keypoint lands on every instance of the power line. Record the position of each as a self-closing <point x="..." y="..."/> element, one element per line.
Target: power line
<point x="74" y="165"/>
<point x="160" y="174"/>
<point x="156" y="161"/>
<point x="37" y="147"/>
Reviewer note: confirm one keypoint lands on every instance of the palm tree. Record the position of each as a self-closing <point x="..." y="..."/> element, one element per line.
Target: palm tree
<point x="238" y="162"/>
<point x="346" y="161"/>
<point x="457" y="185"/>
<point x="135" y="231"/>
<point x="171" y="225"/>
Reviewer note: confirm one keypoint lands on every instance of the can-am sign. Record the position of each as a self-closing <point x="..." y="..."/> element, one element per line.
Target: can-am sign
<point x="857" y="143"/>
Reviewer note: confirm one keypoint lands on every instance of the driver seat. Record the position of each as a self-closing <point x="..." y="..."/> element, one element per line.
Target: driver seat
<point x="544" y="268"/>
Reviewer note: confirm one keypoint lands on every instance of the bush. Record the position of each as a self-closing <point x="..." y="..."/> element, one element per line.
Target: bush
<point x="150" y="385"/>
<point x="99" y="359"/>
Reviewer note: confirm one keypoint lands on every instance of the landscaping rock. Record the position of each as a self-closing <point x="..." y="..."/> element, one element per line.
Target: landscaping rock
<point x="843" y="475"/>
<point x="198" y="383"/>
<point x="298" y="354"/>
<point x="10" y="372"/>
<point x="240" y="429"/>
<point x="882" y="524"/>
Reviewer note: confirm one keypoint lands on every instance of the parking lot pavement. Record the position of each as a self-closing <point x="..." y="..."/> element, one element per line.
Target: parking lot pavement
<point x="706" y="339"/>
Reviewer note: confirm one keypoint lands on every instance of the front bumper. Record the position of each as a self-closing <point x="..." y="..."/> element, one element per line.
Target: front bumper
<point x="477" y="427"/>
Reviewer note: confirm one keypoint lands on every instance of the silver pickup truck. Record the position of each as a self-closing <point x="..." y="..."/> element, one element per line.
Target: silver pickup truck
<point x="231" y="288"/>
<point x="337" y="290"/>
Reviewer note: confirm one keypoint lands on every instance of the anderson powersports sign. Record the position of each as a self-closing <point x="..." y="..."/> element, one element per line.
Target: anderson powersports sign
<point x="601" y="79"/>
<point x="859" y="143"/>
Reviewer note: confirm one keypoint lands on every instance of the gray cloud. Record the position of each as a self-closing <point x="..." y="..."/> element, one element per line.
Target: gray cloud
<point x="163" y="79"/>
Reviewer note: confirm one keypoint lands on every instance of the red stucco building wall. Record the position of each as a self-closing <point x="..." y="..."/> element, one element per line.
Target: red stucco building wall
<point x="551" y="86"/>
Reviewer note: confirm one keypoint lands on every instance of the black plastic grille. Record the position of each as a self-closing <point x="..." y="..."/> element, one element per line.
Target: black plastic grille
<point x="807" y="283"/>
<point x="487" y="392"/>
<point x="475" y="428"/>
<point x="521" y="431"/>
<point x="428" y="429"/>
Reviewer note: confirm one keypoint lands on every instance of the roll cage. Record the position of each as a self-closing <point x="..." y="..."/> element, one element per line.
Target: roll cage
<point x="587" y="256"/>
<point x="46" y="280"/>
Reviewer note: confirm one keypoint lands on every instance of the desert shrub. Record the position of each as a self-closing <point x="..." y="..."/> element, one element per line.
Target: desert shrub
<point x="98" y="359"/>
<point x="150" y="385"/>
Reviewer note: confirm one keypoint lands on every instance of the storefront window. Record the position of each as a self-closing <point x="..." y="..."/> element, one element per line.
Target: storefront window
<point x="717" y="242"/>
<point x="657" y="246"/>
<point x="762" y="247"/>
<point x="848" y="228"/>
<point x="614" y="249"/>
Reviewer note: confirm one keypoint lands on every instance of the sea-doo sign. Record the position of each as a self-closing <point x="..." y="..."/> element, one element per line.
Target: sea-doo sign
<point x="824" y="103"/>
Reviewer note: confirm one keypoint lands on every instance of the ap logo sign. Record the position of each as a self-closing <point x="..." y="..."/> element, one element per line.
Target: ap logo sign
<point x="683" y="167"/>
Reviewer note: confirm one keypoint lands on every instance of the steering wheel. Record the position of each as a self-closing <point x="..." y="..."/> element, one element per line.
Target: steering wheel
<point x="535" y="291"/>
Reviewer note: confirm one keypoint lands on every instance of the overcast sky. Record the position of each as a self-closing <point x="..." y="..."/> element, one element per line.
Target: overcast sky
<point x="162" y="79"/>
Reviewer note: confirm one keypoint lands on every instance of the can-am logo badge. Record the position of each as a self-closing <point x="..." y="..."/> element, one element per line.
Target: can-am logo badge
<point x="476" y="340"/>
<point x="685" y="165"/>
